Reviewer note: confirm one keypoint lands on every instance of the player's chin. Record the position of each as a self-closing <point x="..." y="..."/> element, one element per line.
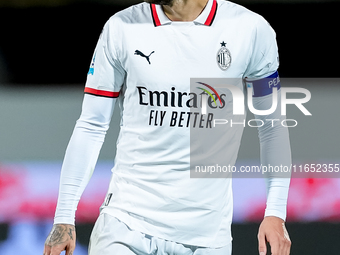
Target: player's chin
<point x="161" y="2"/>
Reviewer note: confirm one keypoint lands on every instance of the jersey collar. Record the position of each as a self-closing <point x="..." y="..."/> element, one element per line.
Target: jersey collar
<point x="205" y="18"/>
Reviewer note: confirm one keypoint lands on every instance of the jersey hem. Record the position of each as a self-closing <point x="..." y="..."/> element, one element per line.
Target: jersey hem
<point x="138" y="225"/>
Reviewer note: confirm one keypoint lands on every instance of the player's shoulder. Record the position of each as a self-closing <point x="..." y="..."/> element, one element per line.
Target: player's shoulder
<point x="138" y="13"/>
<point x="230" y="10"/>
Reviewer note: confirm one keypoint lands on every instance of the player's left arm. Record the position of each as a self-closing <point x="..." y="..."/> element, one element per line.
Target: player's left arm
<point x="276" y="161"/>
<point x="273" y="136"/>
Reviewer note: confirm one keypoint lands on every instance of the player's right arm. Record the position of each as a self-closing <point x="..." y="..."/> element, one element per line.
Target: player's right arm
<point x="79" y="162"/>
<point x="104" y="82"/>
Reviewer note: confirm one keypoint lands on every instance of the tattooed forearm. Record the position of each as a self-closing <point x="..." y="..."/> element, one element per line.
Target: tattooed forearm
<point x="60" y="234"/>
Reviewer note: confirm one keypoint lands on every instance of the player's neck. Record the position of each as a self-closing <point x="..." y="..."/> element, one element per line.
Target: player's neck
<point x="184" y="10"/>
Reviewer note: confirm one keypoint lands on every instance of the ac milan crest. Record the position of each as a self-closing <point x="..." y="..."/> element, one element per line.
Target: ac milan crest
<point x="223" y="57"/>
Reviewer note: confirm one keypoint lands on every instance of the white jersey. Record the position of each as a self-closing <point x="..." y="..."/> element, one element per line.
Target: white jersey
<point x="146" y="61"/>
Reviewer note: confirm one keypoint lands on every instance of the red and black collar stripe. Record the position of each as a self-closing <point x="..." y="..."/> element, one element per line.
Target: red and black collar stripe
<point x="154" y="15"/>
<point x="212" y="14"/>
<point x="208" y="22"/>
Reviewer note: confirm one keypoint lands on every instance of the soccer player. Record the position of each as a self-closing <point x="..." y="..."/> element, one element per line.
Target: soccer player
<point x="143" y="61"/>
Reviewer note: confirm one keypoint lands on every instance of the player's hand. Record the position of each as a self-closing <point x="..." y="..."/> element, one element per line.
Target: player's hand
<point x="273" y="230"/>
<point x="62" y="237"/>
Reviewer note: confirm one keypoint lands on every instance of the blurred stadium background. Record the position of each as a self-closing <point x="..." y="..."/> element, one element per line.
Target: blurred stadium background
<point x="46" y="47"/>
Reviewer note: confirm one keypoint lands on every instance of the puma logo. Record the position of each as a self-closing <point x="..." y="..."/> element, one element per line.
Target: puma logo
<point x="137" y="52"/>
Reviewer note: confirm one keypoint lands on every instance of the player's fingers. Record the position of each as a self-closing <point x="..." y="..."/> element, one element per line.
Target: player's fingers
<point x="287" y="245"/>
<point x="262" y="244"/>
<point x="56" y="250"/>
<point x="276" y="247"/>
<point x="288" y="242"/>
<point x="47" y="250"/>
<point x="69" y="252"/>
<point x="280" y="246"/>
<point x="70" y="249"/>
